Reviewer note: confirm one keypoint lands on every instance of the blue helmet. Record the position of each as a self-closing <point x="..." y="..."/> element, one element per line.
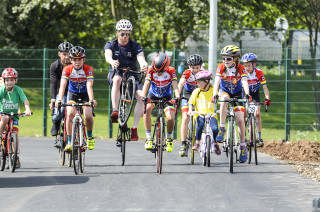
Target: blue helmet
<point x="249" y="57"/>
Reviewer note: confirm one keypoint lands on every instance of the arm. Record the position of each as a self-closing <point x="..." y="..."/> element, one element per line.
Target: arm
<point x="53" y="85"/>
<point x="266" y="91"/>
<point x="175" y="88"/>
<point x="90" y="91"/>
<point x="245" y="85"/>
<point x="145" y="88"/>
<point x="142" y="62"/>
<point x="181" y="84"/>
<point x="108" y="56"/>
<point x="63" y="85"/>
<point x="216" y="85"/>
<point x="27" y="106"/>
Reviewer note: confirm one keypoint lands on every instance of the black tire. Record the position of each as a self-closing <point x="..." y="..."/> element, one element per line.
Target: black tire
<point x="208" y="148"/>
<point x="13" y="151"/>
<point x="251" y="141"/>
<point x="230" y="143"/>
<point x="76" y="154"/>
<point x="82" y="148"/>
<point x="254" y="135"/>
<point x="193" y="140"/>
<point x="3" y="156"/>
<point x="62" y="154"/>
<point x="69" y="159"/>
<point x="123" y="144"/>
<point x="126" y="100"/>
<point x="159" y="144"/>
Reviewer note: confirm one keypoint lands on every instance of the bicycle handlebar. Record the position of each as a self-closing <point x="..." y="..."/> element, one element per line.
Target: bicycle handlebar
<point x="128" y="69"/>
<point x="14" y="114"/>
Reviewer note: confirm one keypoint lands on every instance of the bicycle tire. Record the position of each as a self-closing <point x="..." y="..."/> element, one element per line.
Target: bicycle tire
<point x="208" y="148"/>
<point x="250" y="145"/>
<point x="203" y="151"/>
<point x="254" y="132"/>
<point x="126" y="100"/>
<point x="76" y="146"/>
<point x="230" y="142"/>
<point x="82" y="148"/>
<point x="123" y="144"/>
<point x="13" y="151"/>
<point x="62" y="154"/>
<point x="159" y="144"/>
<point x="193" y="140"/>
<point x="2" y="156"/>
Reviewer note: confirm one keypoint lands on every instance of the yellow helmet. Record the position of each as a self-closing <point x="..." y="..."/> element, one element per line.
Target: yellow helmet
<point x="231" y="50"/>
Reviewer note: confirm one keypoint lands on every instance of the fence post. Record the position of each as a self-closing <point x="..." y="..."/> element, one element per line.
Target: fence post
<point x="44" y="92"/>
<point x="287" y="89"/>
<point x="174" y="64"/>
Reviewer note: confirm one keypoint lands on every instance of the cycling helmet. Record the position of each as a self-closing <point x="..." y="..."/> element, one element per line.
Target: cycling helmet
<point x="204" y="75"/>
<point x="231" y="50"/>
<point x="124" y="24"/>
<point x="9" y="73"/>
<point x="65" y="47"/>
<point x="195" y="60"/>
<point x="249" y="57"/>
<point x="77" y="52"/>
<point x="161" y="62"/>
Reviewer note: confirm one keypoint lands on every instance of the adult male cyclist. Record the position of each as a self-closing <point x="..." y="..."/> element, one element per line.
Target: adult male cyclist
<point x="55" y="76"/>
<point x="123" y="53"/>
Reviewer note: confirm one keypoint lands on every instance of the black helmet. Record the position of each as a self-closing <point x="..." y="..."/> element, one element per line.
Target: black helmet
<point x="65" y="47"/>
<point x="161" y="62"/>
<point x="77" y="52"/>
<point x="195" y="60"/>
<point x="230" y="50"/>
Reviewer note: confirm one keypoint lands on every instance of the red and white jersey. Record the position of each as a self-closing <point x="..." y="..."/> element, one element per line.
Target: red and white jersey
<point x="190" y="78"/>
<point x="255" y="78"/>
<point x="78" y="78"/>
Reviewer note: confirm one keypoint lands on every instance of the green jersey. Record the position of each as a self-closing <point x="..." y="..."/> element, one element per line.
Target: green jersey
<point x="9" y="102"/>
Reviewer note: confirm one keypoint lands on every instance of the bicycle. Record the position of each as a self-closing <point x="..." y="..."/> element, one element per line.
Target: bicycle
<point x="9" y="141"/>
<point x="127" y="96"/>
<point x="79" y="137"/>
<point x="251" y="124"/>
<point x="231" y="144"/>
<point x="159" y="134"/>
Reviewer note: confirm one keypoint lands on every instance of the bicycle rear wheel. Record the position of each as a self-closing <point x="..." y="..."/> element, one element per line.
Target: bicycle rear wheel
<point x="76" y="146"/>
<point x="2" y="156"/>
<point x="159" y="144"/>
<point x="126" y="100"/>
<point x="230" y="143"/>
<point x="13" y="151"/>
<point x="208" y="148"/>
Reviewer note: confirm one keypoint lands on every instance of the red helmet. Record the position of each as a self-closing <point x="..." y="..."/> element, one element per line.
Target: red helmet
<point x="161" y="62"/>
<point x="9" y="73"/>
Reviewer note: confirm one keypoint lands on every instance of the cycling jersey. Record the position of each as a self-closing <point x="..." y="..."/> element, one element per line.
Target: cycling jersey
<point x="227" y="84"/>
<point x="126" y="55"/>
<point x="55" y="77"/>
<point x="161" y="85"/>
<point x="190" y="83"/>
<point x="255" y="78"/>
<point x="78" y="78"/>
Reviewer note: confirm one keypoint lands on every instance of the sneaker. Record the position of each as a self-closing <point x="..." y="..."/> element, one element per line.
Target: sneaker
<point x="68" y="148"/>
<point x="182" y="151"/>
<point x="148" y="143"/>
<point x="196" y="147"/>
<point x="54" y="129"/>
<point x="118" y="144"/>
<point x="91" y="143"/>
<point x="134" y="134"/>
<point x="114" y="116"/>
<point x="243" y="154"/>
<point x="217" y="149"/>
<point x="169" y="145"/>
<point x="260" y="142"/>
<point x="18" y="164"/>
<point x="220" y="135"/>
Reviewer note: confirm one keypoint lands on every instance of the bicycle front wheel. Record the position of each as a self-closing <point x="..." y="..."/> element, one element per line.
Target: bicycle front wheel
<point x="61" y="139"/>
<point x="124" y="137"/>
<point x="230" y="143"/>
<point x="159" y="144"/>
<point x="2" y="156"/>
<point x="193" y="139"/>
<point x="82" y="148"/>
<point x="126" y="100"/>
<point x="13" y="151"/>
<point x="208" y="148"/>
<point x="76" y="146"/>
<point x="251" y="142"/>
<point x="254" y="137"/>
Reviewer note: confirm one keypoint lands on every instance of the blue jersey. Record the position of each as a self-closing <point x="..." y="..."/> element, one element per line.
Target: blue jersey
<point x="126" y="55"/>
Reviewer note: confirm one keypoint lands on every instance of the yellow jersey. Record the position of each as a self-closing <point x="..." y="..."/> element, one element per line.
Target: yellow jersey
<point x="201" y="100"/>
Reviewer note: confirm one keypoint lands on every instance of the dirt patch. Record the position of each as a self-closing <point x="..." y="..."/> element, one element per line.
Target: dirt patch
<point x="302" y="156"/>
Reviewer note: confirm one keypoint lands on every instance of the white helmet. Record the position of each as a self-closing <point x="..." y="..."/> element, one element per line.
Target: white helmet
<point x="124" y="24"/>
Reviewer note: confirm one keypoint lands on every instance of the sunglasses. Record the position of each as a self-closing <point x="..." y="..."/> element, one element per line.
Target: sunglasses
<point x="227" y="58"/>
<point x="125" y="34"/>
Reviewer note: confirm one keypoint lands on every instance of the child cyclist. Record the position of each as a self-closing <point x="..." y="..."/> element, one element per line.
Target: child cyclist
<point x="255" y="79"/>
<point x="80" y="77"/>
<point x="159" y="79"/>
<point x="200" y="100"/>
<point x="232" y="77"/>
<point x="10" y="96"/>
<point x="188" y="84"/>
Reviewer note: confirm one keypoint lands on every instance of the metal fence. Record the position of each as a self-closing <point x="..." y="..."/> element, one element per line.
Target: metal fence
<point x="293" y="82"/>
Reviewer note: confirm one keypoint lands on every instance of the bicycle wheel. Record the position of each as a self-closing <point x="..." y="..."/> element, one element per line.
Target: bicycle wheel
<point x="76" y="146"/>
<point x="208" y="148"/>
<point x="62" y="154"/>
<point x="254" y="137"/>
<point x="82" y="148"/>
<point x="126" y="100"/>
<point x="193" y="139"/>
<point x="159" y="144"/>
<point x="230" y="142"/>
<point x="13" y="150"/>
<point x="250" y="144"/>
<point x="124" y="132"/>
<point x="2" y="156"/>
<point x="69" y="159"/>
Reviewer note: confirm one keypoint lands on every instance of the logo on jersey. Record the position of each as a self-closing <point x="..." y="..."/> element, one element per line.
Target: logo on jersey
<point x="129" y="54"/>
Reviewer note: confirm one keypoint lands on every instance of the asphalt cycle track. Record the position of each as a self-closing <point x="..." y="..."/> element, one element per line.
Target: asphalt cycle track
<point x="41" y="184"/>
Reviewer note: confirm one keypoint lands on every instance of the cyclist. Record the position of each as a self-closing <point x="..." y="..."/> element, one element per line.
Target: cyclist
<point x="200" y="100"/>
<point x="10" y="96"/>
<point x="188" y="84"/>
<point x="159" y="79"/>
<point x="55" y="76"/>
<point x="122" y="53"/>
<point x="231" y="77"/>
<point x="255" y="79"/>
<point x="80" y="77"/>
